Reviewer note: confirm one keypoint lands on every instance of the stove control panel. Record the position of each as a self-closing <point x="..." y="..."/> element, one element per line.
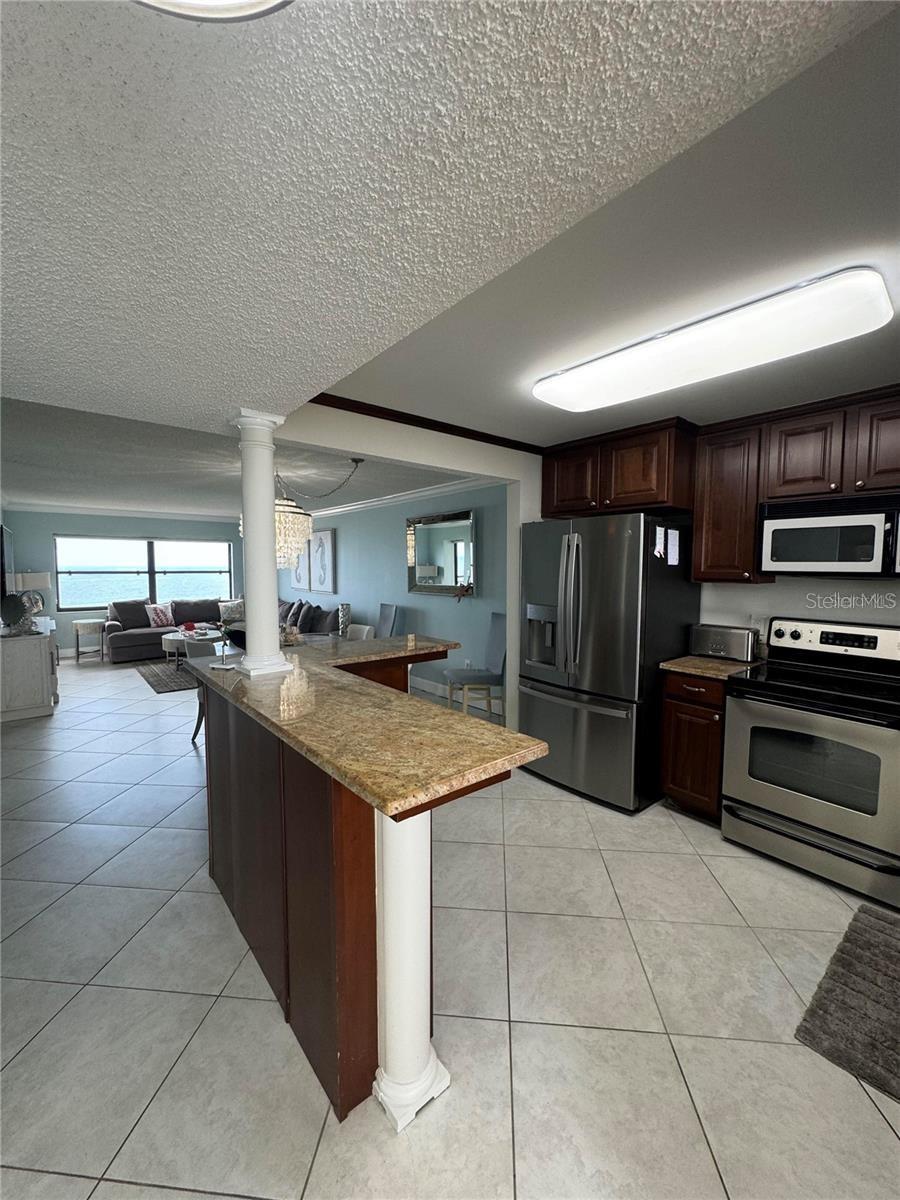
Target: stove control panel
<point x="867" y="641"/>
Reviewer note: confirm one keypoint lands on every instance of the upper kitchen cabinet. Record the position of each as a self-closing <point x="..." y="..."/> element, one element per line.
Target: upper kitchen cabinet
<point x="877" y="458"/>
<point x="647" y="468"/>
<point x="571" y="482"/>
<point x="725" y="506"/>
<point x="805" y="456"/>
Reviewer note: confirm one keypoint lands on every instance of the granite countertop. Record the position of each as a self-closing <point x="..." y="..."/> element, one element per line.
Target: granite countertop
<point x="708" y="668"/>
<point x="394" y="750"/>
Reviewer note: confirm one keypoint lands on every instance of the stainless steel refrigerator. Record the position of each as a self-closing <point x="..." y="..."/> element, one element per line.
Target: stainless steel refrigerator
<point x="605" y="599"/>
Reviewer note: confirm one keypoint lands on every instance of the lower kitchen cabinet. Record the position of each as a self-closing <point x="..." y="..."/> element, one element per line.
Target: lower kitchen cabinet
<point x="692" y="737"/>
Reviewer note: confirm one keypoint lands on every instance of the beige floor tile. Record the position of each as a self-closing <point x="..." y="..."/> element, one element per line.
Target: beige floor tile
<point x="162" y="858"/>
<point x="38" y="1185"/>
<point x="129" y="768"/>
<point x="71" y="854"/>
<point x="467" y="875"/>
<point x="802" y="954"/>
<point x="717" y="980"/>
<point x="22" y="899"/>
<point x="16" y="837"/>
<point x="27" y="1006"/>
<point x="547" y="822"/>
<point x="887" y="1106"/>
<point x="458" y="1148"/>
<point x="16" y="792"/>
<point x="552" y="879"/>
<point x="248" y="981"/>
<point x="475" y="818"/>
<point x="77" y="935"/>
<point x="783" y="1122"/>
<point x="189" y="771"/>
<point x="200" y="881"/>
<point x="470" y="963"/>
<point x="14" y="761"/>
<point x="772" y="896"/>
<point x="69" y="801"/>
<point x="137" y="1191"/>
<point x="526" y="786"/>
<point x="191" y="945"/>
<point x="72" y="1095"/>
<point x="668" y="887"/>
<point x="71" y="764"/>
<point x="707" y="838"/>
<point x="605" y="1114"/>
<point x="650" y="830"/>
<point x="143" y="804"/>
<point x="577" y="971"/>
<point x="190" y="815"/>
<point x="245" y="1067"/>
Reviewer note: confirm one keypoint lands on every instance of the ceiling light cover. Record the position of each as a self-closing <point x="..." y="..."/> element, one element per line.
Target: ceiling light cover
<point x="805" y="317"/>
<point x="216" y="10"/>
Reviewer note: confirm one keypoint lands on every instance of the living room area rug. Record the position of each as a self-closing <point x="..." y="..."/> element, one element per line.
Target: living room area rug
<point x="164" y="677"/>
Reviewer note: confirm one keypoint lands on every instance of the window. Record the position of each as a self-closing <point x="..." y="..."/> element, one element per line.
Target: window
<point x="92" y="571"/>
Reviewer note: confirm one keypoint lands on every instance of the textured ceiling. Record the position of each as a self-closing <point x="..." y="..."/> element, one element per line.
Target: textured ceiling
<point x="804" y="182"/>
<point x="198" y="217"/>
<point x="57" y="458"/>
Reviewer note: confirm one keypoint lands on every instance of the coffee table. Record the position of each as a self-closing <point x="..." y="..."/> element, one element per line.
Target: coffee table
<point x="173" y="643"/>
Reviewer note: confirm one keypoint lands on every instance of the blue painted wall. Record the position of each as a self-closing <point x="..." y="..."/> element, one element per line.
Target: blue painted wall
<point x="370" y="547"/>
<point x="33" y="534"/>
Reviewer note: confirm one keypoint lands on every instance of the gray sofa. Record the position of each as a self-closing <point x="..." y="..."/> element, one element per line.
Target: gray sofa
<point x="130" y="636"/>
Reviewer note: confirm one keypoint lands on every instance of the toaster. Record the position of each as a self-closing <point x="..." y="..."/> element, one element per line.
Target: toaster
<point x="724" y="641"/>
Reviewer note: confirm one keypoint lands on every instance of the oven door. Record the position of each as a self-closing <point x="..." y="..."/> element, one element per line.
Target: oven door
<point x="830" y="545"/>
<point x="834" y="773"/>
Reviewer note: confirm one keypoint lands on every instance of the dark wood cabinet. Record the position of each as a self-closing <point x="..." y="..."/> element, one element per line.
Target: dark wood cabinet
<point x="805" y="456"/>
<point x="571" y="482"/>
<point x="648" y="468"/>
<point x="692" y="737"/>
<point x="877" y="458"/>
<point x="725" y="507"/>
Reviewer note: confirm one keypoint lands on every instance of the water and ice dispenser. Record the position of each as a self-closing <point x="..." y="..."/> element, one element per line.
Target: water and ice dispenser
<point x="541" y="634"/>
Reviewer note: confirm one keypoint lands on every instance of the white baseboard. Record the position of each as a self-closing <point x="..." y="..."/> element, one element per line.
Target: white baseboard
<point x="417" y="683"/>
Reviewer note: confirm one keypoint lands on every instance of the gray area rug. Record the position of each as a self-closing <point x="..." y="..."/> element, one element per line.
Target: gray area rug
<point x="163" y="677"/>
<point x="854" y="1018"/>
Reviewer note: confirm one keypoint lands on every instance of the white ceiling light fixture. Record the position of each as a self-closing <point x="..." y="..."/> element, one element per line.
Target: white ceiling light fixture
<point x="216" y="10"/>
<point x="805" y="317"/>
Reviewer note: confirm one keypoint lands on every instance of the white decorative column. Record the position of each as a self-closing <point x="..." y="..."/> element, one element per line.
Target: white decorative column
<point x="263" y="655"/>
<point x="409" y="1072"/>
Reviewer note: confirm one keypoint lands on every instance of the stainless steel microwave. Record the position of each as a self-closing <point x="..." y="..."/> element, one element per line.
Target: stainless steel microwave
<point x="833" y="538"/>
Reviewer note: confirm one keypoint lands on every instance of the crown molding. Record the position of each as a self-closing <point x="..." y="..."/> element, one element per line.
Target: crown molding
<point x="473" y="483"/>
<point x="74" y="510"/>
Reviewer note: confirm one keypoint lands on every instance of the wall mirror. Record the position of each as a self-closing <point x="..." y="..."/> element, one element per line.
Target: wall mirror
<point x="440" y="553"/>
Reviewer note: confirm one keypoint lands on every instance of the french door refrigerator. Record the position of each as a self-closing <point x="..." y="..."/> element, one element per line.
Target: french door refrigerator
<point x="605" y="599"/>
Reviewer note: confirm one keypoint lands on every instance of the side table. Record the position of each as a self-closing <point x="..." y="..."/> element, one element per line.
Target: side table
<point x="83" y="628"/>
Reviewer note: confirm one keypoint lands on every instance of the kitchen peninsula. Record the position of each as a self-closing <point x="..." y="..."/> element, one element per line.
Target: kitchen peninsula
<point x="320" y="785"/>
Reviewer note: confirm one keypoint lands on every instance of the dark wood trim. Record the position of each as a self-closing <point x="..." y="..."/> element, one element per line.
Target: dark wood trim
<point x="344" y="404"/>
<point x="626" y="431"/>
<point x="802" y="410"/>
<point x="473" y="787"/>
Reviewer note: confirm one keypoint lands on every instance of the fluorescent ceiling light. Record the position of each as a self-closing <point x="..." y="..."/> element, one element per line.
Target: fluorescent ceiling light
<point x="805" y="317"/>
<point x="215" y="10"/>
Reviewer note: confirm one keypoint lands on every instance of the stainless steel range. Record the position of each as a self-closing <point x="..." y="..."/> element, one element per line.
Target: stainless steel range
<point x="812" y="753"/>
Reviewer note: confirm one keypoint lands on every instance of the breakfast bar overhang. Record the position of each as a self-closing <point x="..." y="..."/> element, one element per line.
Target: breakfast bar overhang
<point x="320" y="785"/>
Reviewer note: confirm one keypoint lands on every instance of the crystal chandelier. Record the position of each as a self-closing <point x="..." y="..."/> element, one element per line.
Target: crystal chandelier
<point x="293" y="529"/>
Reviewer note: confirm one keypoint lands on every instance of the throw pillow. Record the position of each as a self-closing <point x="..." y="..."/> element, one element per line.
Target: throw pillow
<point x="284" y="608"/>
<point x="160" y="615"/>
<point x="305" y="620"/>
<point x="231" y="610"/>
<point x="294" y="615"/>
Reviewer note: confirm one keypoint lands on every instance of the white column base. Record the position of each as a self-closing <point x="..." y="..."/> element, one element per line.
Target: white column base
<point x="401" y="1101"/>
<point x="264" y="664"/>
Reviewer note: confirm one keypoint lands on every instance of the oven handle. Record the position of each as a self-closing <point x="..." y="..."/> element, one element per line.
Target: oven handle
<point x="818" y="710"/>
<point x="741" y="814"/>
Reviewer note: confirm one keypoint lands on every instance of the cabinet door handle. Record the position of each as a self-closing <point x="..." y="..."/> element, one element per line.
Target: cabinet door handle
<point x="833" y="487"/>
<point x="607" y="502"/>
<point x="746" y="575"/>
<point x="860" y="483"/>
<point x="715" y="716"/>
<point x="592" y="503"/>
<point x="687" y="687"/>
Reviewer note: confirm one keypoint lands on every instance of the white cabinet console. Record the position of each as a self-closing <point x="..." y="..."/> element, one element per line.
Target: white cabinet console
<point x="28" y="683"/>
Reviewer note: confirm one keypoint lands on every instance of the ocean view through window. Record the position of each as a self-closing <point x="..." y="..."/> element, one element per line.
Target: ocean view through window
<point x="92" y="571"/>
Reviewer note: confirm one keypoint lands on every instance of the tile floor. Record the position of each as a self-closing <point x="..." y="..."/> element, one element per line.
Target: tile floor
<point x="616" y="999"/>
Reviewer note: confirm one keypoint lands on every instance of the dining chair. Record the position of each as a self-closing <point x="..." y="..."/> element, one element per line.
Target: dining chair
<point x="193" y="648"/>
<point x="480" y="682"/>
<point x="359" y="633"/>
<point x="387" y="620"/>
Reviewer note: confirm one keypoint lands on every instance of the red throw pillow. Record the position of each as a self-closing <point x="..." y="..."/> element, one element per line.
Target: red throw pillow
<point x="160" y="615"/>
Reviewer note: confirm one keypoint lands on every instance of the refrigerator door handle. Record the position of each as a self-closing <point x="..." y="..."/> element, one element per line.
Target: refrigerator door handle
<point x="562" y="624"/>
<point x="575" y="597"/>
<point x="622" y="713"/>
